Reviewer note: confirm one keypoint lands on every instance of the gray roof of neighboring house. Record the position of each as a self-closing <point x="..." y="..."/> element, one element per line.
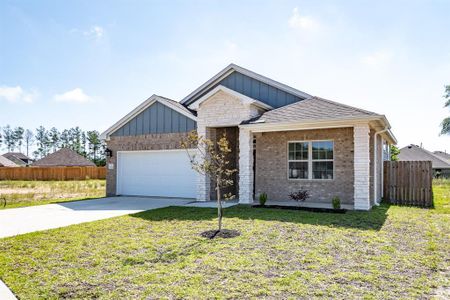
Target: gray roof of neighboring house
<point x="4" y="162"/>
<point x="313" y="108"/>
<point x="414" y="152"/>
<point x="64" y="157"/>
<point x="17" y="157"/>
<point x="442" y="155"/>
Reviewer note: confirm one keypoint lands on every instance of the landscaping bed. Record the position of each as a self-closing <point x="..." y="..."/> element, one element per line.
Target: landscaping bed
<point x="311" y="209"/>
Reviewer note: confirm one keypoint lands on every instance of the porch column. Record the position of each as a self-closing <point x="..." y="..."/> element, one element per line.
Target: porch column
<point x="361" y="167"/>
<point x="245" y="166"/>
<point x="203" y="181"/>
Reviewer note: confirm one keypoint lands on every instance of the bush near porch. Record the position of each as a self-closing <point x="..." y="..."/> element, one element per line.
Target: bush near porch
<point x="390" y="252"/>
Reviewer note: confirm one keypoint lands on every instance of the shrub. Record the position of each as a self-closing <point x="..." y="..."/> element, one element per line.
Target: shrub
<point x="336" y="202"/>
<point x="262" y="199"/>
<point x="300" y="195"/>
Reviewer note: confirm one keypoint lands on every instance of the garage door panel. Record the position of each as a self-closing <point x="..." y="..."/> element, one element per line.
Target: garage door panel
<point x="159" y="173"/>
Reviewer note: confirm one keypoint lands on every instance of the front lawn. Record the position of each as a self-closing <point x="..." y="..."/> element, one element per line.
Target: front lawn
<point x="27" y="193"/>
<point x="388" y="253"/>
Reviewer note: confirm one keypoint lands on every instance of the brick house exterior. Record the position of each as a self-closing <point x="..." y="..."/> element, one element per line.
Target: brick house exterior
<point x="283" y="139"/>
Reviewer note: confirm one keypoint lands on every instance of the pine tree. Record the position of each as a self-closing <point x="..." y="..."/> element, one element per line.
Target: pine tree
<point x="8" y="138"/>
<point x="18" y="137"/>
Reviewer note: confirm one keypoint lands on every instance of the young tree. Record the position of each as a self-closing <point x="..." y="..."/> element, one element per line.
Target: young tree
<point x="8" y="138"/>
<point x="29" y="139"/>
<point x="394" y="153"/>
<point x="18" y="137"/>
<point x="212" y="159"/>
<point x="54" y="139"/>
<point x="446" y="122"/>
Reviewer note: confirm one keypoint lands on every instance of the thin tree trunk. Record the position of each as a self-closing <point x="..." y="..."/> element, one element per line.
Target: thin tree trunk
<point x="219" y="206"/>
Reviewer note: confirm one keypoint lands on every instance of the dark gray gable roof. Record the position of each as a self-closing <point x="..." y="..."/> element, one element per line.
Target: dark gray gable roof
<point x="314" y="108"/>
<point x="158" y="118"/>
<point x="64" y="157"/>
<point x="416" y="153"/>
<point x="250" y="84"/>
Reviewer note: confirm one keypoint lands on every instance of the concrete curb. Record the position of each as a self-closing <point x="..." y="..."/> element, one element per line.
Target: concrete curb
<point x="5" y="292"/>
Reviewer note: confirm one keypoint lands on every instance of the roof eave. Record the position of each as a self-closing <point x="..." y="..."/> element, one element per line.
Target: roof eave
<point x="260" y="126"/>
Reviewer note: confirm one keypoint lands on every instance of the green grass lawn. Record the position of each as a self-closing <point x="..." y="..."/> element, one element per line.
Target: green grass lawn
<point x="28" y="193"/>
<point x="390" y="252"/>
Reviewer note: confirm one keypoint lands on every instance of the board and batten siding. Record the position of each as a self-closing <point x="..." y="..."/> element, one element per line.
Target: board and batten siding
<point x="157" y="118"/>
<point x="258" y="90"/>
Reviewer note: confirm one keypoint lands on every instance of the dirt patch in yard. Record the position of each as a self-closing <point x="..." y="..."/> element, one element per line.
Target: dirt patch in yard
<point x="224" y="233"/>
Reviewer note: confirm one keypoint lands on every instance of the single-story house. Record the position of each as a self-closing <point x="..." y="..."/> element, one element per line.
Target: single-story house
<point x="18" y="158"/>
<point x="4" y="162"/>
<point x="283" y="140"/>
<point x="443" y="155"/>
<point x="440" y="166"/>
<point x="64" y="157"/>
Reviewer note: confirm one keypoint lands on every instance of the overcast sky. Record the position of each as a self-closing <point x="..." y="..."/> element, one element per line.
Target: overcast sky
<point x="88" y="63"/>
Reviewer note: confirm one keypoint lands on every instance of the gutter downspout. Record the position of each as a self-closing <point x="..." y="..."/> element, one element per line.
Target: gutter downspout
<point x="375" y="160"/>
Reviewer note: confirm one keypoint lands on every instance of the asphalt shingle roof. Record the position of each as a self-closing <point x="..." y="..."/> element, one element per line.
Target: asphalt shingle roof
<point x="414" y="152"/>
<point x="64" y="158"/>
<point x="4" y="162"/>
<point x="179" y="105"/>
<point x="17" y="157"/>
<point x="442" y="155"/>
<point x="313" y="108"/>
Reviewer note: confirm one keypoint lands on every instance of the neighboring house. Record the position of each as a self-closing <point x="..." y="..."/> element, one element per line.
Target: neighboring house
<point x="4" y="162"/>
<point x="64" y="157"/>
<point x="18" y="158"/>
<point x="282" y="140"/>
<point x="442" y="155"/>
<point x="441" y="166"/>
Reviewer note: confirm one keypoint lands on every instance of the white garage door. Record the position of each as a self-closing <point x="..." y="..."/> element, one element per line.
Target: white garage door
<point x="156" y="173"/>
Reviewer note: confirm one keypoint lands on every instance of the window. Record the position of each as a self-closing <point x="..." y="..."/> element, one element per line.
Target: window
<point x="298" y="160"/>
<point x="310" y="160"/>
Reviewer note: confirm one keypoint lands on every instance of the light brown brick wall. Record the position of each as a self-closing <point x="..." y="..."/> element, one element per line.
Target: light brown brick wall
<point x="141" y="142"/>
<point x="271" y="166"/>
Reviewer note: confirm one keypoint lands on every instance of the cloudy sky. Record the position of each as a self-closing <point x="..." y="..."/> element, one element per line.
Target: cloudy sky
<point x="87" y="63"/>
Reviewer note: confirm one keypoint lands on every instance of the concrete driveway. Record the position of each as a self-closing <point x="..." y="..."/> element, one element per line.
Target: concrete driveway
<point x="28" y="219"/>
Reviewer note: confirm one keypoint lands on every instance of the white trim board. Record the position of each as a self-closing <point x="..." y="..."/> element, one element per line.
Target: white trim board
<point x="230" y="69"/>
<point x="260" y="126"/>
<point x="140" y="108"/>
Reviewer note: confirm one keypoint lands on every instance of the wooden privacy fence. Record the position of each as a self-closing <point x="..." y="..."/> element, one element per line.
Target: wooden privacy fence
<point x="52" y="173"/>
<point x="408" y="183"/>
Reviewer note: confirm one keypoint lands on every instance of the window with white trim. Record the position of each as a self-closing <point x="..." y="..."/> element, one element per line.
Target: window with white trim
<point x="311" y="160"/>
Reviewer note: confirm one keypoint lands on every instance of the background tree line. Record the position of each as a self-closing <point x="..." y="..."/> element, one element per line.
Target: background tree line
<point x="45" y="141"/>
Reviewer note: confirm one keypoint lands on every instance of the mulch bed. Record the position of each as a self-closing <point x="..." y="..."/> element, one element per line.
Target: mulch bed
<point x="224" y="233"/>
<point x="312" y="209"/>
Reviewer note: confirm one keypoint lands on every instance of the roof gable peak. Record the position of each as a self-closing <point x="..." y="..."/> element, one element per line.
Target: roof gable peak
<point x="192" y="97"/>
